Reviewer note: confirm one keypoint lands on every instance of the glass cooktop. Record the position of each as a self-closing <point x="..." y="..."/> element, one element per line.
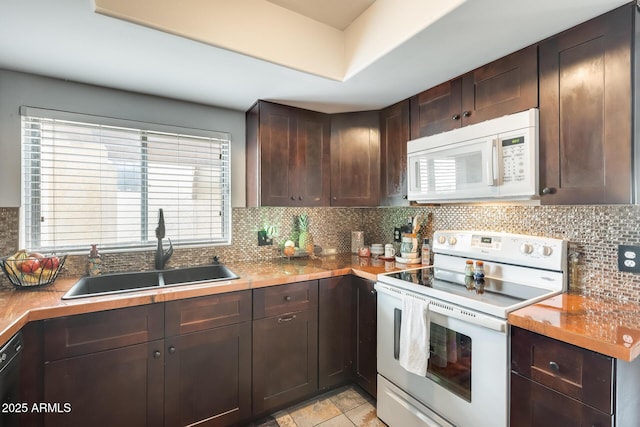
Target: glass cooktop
<point x="488" y="290"/>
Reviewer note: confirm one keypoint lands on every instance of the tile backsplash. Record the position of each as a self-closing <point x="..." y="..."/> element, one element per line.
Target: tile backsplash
<point x="594" y="232"/>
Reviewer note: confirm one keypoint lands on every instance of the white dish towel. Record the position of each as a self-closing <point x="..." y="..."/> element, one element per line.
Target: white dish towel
<point x="414" y="335"/>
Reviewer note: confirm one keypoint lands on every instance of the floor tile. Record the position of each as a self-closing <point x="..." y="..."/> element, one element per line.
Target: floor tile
<point x="339" y="421"/>
<point x="348" y="399"/>
<point x="314" y="413"/>
<point x="365" y="416"/>
<point x="283" y="419"/>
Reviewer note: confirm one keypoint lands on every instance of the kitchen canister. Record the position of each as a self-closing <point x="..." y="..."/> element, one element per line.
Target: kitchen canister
<point x="357" y="241"/>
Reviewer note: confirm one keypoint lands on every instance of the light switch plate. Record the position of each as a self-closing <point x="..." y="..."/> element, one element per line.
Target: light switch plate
<point x="629" y="258"/>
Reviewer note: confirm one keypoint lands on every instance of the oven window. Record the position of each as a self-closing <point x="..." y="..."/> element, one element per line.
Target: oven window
<point x="450" y="360"/>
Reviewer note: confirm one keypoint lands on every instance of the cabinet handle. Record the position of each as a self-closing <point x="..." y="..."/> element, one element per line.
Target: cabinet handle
<point x="299" y="197"/>
<point x="293" y="197"/>
<point x="554" y="366"/>
<point x="335" y="198"/>
<point x="286" y="319"/>
<point x="172" y="349"/>
<point x="548" y="190"/>
<point x="287" y="298"/>
<point x="456" y="117"/>
<point x="156" y="354"/>
<point x="405" y="197"/>
<point x="372" y="291"/>
<point x="466" y="113"/>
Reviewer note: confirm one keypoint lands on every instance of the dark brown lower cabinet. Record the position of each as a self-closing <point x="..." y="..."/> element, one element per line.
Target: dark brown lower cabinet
<point x="208" y="377"/>
<point x="365" y="359"/>
<point x="533" y="405"/>
<point x="116" y="387"/>
<point x="335" y="332"/>
<point x="285" y="359"/>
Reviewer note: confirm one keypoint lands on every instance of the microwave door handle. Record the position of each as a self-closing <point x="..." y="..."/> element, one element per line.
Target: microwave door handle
<point x="492" y="165"/>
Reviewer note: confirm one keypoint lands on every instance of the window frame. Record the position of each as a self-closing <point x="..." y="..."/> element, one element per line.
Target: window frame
<point x="225" y="139"/>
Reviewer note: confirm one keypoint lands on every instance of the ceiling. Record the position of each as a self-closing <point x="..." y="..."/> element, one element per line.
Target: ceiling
<point x="387" y="56"/>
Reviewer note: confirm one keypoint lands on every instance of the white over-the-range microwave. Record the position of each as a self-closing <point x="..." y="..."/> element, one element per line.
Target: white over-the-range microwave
<point x="489" y="161"/>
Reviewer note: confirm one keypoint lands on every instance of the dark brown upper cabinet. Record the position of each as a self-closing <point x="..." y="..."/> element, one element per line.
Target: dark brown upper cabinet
<point x="586" y="110"/>
<point x="287" y="156"/>
<point x="355" y="159"/>
<point x="394" y="134"/>
<point x="507" y="85"/>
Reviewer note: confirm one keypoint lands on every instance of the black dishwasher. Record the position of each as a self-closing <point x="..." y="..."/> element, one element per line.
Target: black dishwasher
<point x="10" y="355"/>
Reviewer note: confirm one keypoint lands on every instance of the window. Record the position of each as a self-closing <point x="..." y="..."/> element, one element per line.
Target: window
<point x="90" y="180"/>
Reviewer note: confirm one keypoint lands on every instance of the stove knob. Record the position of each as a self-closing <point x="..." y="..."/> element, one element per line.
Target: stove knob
<point x="453" y="240"/>
<point x="526" y="248"/>
<point x="545" y="250"/>
<point x="442" y="240"/>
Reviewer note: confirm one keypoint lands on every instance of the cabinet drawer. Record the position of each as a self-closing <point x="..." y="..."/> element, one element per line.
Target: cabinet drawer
<point x="88" y="333"/>
<point x="277" y="300"/>
<point x="579" y="373"/>
<point x="197" y="314"/>
<point x="535" y="405"/>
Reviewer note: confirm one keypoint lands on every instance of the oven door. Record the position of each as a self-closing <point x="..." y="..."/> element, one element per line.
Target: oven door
<point x="468" y="371"/>
<point x="466" y="170"/>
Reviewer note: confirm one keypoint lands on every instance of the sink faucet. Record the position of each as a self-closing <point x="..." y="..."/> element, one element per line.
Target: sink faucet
<point x="161" y="256"/>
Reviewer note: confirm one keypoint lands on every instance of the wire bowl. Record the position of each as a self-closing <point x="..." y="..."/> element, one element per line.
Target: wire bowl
<point x="44" y="273"/>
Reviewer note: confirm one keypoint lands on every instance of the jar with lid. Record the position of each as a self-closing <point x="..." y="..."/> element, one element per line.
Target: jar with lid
<point x="426" y="252"/>
<point x="478" y="273"/>
<point x="468" y="268"/>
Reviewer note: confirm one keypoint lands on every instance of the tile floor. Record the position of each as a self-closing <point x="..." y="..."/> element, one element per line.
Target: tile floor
<point x="344" y="407"/>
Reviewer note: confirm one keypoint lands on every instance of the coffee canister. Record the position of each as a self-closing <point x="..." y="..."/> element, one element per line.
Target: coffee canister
<point x="357" y="241"/>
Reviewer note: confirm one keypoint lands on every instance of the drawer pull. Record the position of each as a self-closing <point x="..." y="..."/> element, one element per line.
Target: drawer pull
<point x="172" y="350"/>
<point x="554" y="366"/>
<point x="286" y="319"/>
<point x="156" y="354"/>
<point x="287" y="298"/>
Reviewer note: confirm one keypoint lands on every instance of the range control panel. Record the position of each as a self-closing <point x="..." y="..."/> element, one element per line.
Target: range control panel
<point x="517" y="249"/>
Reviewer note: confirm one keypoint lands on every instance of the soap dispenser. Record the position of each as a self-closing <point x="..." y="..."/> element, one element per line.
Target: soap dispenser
<point x="94" y="264"/>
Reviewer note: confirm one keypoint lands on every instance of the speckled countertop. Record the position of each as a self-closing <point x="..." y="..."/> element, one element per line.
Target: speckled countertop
<point x="20" y="306"/>
<point x="606" y="326"/>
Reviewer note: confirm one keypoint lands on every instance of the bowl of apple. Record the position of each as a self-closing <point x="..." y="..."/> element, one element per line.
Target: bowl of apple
<point x="32" y="269"/>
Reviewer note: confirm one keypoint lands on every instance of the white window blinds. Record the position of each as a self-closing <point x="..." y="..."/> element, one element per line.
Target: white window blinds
<point x="90" y="181"/>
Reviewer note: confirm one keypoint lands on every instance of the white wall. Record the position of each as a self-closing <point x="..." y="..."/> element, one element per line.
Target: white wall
<point x="18" y="89"/>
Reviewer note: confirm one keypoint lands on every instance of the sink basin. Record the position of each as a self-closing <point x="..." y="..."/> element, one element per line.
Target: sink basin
<point x="205" y="273"/>
<point x="113" y="284"/>
<point x="117" y="283"/>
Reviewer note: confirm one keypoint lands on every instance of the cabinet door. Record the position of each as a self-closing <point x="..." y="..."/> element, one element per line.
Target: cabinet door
<point x="366" y="300"/>
<point x="505" y="86"/>
<point x="394" y="134"/>
<point x="120" y="387"/>
<point x="533" y="405"/>
<point x="208" y="377"/>
<point x="355" y="154"/>
<point x="309" y="179"/>
<point x="335" y="331"/>
<point x="285" y="360"/>
<point x="103" y="330"/>
<point x="277" y="142"/>
<point x="585" y="112"/>
<point x="436" y="110"/>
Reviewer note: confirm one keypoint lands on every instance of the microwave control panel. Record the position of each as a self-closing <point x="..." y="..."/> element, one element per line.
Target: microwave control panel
<point x="513" y="159"/>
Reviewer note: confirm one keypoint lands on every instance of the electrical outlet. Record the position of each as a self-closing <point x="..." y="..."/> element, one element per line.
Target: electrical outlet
<point x="629" y="258"/>
<point x="397" y="234"/>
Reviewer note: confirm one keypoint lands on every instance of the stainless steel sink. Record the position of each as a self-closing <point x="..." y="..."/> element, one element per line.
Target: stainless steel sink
<point x="205" y="273"/>
<point x="117" y="283"/>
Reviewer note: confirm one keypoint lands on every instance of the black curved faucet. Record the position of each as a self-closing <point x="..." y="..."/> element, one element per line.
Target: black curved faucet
<point x="161" y="256"/>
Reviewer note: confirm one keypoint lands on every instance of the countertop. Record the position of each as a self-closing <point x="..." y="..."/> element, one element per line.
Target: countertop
<point x="603" y="325"/>
<point x="606" y="326"/>
<point x="20" y="306"/>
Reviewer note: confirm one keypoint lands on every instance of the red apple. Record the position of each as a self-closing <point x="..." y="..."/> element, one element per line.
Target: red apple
<point x="30" y="265"/>
<point x="51" y="262"/>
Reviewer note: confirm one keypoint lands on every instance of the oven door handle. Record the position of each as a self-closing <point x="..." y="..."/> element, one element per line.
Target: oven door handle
<point x="446" y="310"/>
<point x="397" y="322"/>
